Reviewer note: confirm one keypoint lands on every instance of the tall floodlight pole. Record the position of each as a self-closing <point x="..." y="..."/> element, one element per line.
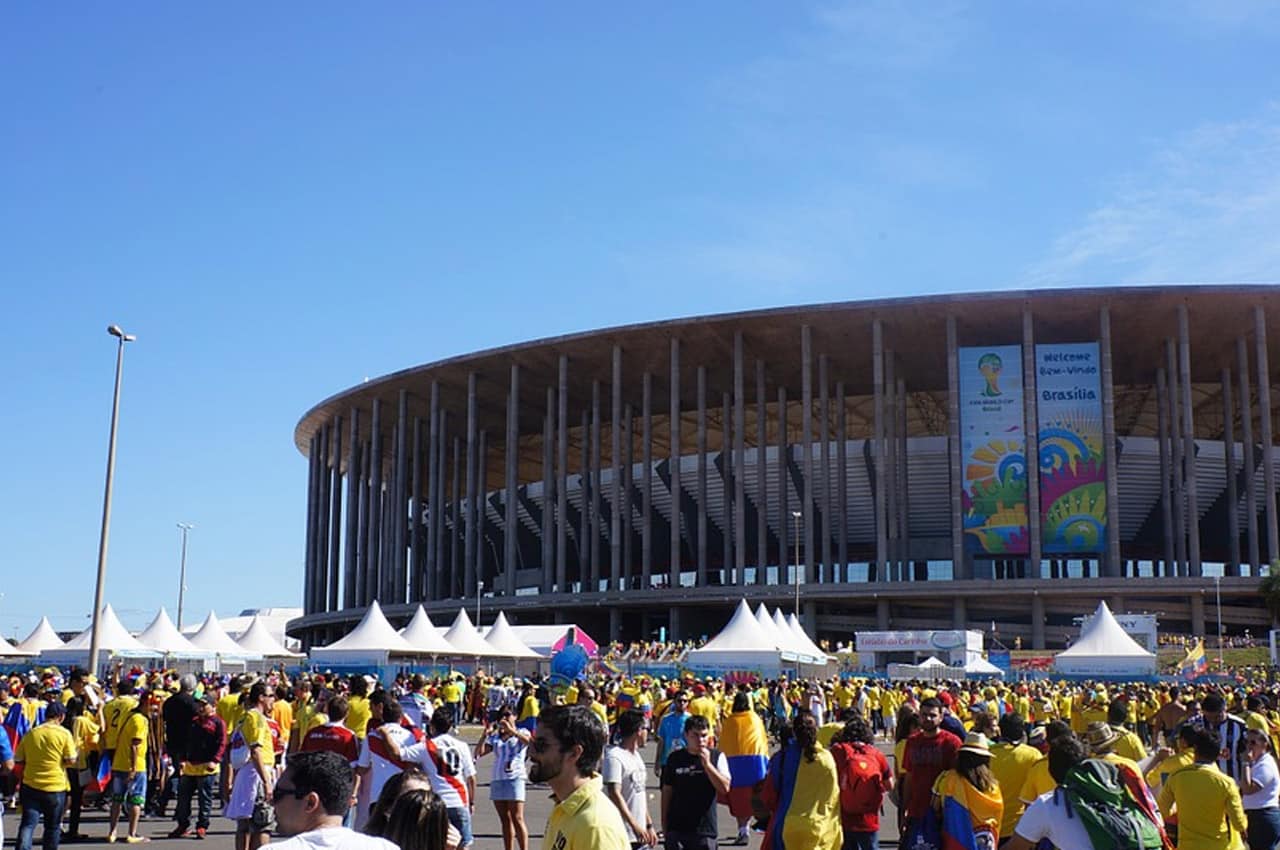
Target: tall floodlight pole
<point x="100" y="588"/>
<point x="795" y="515"/>
<point x="182" y="570"/>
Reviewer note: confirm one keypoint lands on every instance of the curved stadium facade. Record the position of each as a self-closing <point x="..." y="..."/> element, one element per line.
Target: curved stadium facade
<point x="868" y="459"/>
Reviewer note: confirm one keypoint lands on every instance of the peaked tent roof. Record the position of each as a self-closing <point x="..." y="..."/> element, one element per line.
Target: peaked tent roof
<point x="424" y="636"/>
<point x="163" y="636"/>
<point x="1103" y="636"/>
<point x="212" y="637"/>
<point x="464" y="638"/>
<point x="372" y="634"/>
<point x="504" y="641"/>
<point x="784" y="639"/>
<point x="8" y="650"/>
<point x="42" y="637"/>
<point x="805" y="642"/>
<point x="982" y="665"/>
<point x="112" y="636"/>
<point x="258" y="640"/>
<point x="742" y="632"/>
<point x="932" y="661"/>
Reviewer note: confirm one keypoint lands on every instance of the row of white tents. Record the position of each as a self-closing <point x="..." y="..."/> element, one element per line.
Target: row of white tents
<point x="758" y="641"/>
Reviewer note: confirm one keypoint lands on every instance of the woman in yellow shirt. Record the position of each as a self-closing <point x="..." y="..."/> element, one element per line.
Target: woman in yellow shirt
<point x="84" y="731"/>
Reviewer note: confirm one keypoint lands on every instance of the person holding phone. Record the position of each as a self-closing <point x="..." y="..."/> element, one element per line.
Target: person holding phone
<point x="508" y="743"/>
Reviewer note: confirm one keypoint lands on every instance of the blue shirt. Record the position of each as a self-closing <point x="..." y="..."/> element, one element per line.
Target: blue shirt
<point x="671" y="733"/>
<point x="6" y="748"/>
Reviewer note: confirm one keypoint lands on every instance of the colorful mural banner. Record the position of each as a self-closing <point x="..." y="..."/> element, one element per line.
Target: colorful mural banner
<point x="993" y="450"/>
<point x="1073" y="469"/>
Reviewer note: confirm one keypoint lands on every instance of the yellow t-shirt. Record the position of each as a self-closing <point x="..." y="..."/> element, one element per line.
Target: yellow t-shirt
<point x="586" y="820"/>
<point x="826" y="732"/>
<point x="86" y="739"/>
<point x="1011" y="764"/>
<point x="1130" y="746"/>
<point x="282" y="714"/>
<point x="114" y="714"/>
<point x="135" y="728"/>
<point x="704" y="706"/>
<point x="358" y="714"/>
<point x="1159" y="775"/>
<point x="230" y="710"/>
<point x="1038" y="782"/>
<point x="255" y="730"/>
<point x="45" y="753"/>
<point x="1207" y="801"/>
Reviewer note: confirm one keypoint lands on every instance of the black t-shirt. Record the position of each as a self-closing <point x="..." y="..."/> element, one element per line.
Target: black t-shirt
<point x="178" y="711"/>
<point x="693" y="802"/>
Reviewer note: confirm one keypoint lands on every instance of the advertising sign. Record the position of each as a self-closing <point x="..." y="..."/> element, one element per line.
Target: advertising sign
<point x="1000" y="659"/>
<point x="993" y="450"/>
<point x="1073" y="469"/>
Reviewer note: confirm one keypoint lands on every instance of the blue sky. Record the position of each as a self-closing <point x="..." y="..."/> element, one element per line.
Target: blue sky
<point x="282" y="199"/>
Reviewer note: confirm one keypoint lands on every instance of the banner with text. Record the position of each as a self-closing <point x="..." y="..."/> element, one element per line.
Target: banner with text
<point x="1073" y="469"/>
<point x="993" y="450"/>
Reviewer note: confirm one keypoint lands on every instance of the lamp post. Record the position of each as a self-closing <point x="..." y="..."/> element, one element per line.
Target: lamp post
<point x="1217" y="590"/>
<point x="796" y="516"/>
<point x="479" y="593"/>
<point x="100" y="587"/>
<point x="182" y="570"/>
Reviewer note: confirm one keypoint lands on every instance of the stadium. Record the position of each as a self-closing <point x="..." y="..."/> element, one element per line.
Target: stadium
<point x="864" y="463"/>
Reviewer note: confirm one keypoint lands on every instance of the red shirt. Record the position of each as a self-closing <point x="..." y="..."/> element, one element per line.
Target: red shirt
<point x="923" y="760"/>
<point x="332" y="738"/>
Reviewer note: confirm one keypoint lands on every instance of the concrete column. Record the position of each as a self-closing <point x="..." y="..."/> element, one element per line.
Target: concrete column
<point x="333" y="573"/>
<point x="809" y="619"/>
<point x="1264" y="417"/>
<point x="1170" y="566"/>
<point x="597" y="521"/>
<point x="882" y="614"/>
<point x="628" y="487"/>
<point x="364" y="537"/>
<point x="739" y="461"/>
<point x="675" y="626"/>
<point x="481" y="514"/>
<point x="615" y="499"/>
<point x="615" y="614"/>
<point x="586" y="519"/>
<point x="784" y="484"/>
<point x="1031" y="417"/>
<point x="1189" y="439"/>
<point x="675" y="436"/>
<point x="353" y="513"/>
<point x="562" y="482"/>
<point x="1197" y="614"/>
<point x="1176" y="448"/>
<point x="399" y="501"/>
<point x="1037" y="622"/>
<point x="702" y="476"/>
<point x="842" y="484"/>
<point x="900" y="476"/>
<point x="726" y="488"/>
<point x="548" y="493"/>
<point x="1246" y="440"/>
<point x="806" y="446"/>
<point x="511" y="462"/>
<point x="959" y="613"/>
<point x="417" y="578"/>
<point x="433" y="500"/>
<point x="376" y="578"/>
<point x="880" y="453"/>
<point x="646" y="483"/>
<point x="313" y="499"/>
<point x="1232" y="567"/>
<point x="823" y="522"/>
<point x="1113" y="560"/>
<point x="471" y="537"/>
<point x="893" y="570"/>
<point x="443" y="577"/>
<point x="958" y="567"/>
<point x="457" y="587"/>
<point x="762" y="501"/>
<point x="327" y="500"/>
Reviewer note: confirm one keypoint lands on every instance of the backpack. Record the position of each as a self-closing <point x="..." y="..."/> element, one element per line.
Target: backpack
<point x="861" y="783"/>
<point x="1095" y="793"/>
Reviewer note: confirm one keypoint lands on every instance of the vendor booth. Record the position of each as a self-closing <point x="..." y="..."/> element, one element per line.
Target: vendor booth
<point x="953" y="647"/>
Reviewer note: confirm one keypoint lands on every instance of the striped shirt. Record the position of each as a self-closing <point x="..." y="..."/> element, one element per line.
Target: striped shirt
<point x="1231" y="731"/>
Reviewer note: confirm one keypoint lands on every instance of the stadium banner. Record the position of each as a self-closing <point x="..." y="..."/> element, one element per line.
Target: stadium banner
<point x="993" y="450"/>
<point x="1073" y="468"/>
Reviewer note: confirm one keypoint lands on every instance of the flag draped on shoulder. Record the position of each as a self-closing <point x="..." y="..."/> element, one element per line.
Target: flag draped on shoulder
<point x="805" y="799"/>
<point x="745" y="744"/>
<point x="970" y="817"/>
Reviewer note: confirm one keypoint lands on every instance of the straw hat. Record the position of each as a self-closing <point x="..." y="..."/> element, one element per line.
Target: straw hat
<point x="1100" y="737"/>
<point x="976" y="743"/>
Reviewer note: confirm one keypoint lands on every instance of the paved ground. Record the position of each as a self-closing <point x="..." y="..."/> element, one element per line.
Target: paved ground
<point x="488" y="833"/>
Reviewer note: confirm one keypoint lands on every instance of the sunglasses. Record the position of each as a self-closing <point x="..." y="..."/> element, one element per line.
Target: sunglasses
<point x="540" y="745"/>
<point x="279" y="793"/>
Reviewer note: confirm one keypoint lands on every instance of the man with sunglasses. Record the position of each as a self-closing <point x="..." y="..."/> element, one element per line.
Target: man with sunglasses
<point x="565" y="753"/>
<point x="311" y="798"/>
<point x="671" y="729"/>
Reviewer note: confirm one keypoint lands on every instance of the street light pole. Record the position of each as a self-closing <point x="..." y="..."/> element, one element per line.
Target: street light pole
<point x="100" y="587"/>
<point x="1217" y="589"/>
<point x="796" y="516"/>
<point x="479" y="593"/>
<point x="182" y="571"/>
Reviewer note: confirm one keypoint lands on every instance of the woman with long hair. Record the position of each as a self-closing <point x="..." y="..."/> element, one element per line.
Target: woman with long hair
<point x="418" y="820"/>
<point x="408" y="781"/>
<point x="967" y="798"/>
<point x="745" y="743"/>
<point x="84" y="731"/>
<point x="803" y="793"/>
<point x="908" y="721"/>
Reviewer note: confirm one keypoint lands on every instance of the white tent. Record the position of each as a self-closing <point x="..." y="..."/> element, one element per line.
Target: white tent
<point x="213" y="638"/>
<point x="373" y="641"/>
<point x="805" y="643"/>
<point x="8" y="650"/>
<point x="979" y="666"/>
<point x="164" y="637"/>
<point x="258" y="640"/>
<point x="504" y="642"/>
<point x="425" y="637"/>
<point x="791" y="649"/>
<point x="741" y="645"/>
<point x="113" y="639"/>
<point x="42" y="637"/>
<point x="465" y="640"/>
<point x="1105" y="649"/>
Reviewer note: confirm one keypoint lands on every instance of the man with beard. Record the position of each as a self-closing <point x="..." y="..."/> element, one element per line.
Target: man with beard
<point x="565" y="753"/>
<point x="928" y="752"/>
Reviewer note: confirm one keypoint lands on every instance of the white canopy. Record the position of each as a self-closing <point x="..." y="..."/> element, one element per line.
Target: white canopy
<point x="8" y="650"/>
<point x="164" y="637"/>
<point x="425" y="637"/>
<point x="504" y="642"/>
<point x="213" y="638"/>
<point x="931" y="661"/>
<point x="464" y="638"/>
<point x="1104" y="648"/>
<point x="803" y="640"/>
<point x="112" y="636"/>
<point x="374" y="637"/>
<point x="258" y="640"/>
<point x="42" y="637"/>
<point x="742" y="643"/>
<point x="982" y="667"/>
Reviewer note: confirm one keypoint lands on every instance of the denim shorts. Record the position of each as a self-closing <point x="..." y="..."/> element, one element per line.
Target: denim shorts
<point x="507" y="789"/>
<point x="130" y="793"/>
<point x="461" y="820"/>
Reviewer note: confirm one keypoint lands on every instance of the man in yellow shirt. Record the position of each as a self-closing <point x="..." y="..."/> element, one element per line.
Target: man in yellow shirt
<point x="358" y="711"/>
<point x="129" y="774"/>
<point x="1011" y="761"/>
<point x="306" y="715"/>
<point x="1206" y="800"/>
<point x="45" y="753"/>
<point x="115" y="713"/>
<point x="565" y="753"/>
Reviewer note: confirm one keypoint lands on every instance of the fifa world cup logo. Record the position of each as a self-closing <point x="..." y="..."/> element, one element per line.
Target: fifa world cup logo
<point x="990" y="366"/>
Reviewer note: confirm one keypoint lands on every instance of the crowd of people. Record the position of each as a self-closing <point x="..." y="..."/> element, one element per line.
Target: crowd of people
<point x="320" y="760"/>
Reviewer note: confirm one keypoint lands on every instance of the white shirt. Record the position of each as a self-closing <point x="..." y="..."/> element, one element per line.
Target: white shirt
<point x="628" y="771"/>
<point x="448" y="765"/>
<point x="334" y="838"/>
<point x="417" y="708"/>
<point x="380" y="767"/>
<point x="508" y="755"/>
<point x="1047" y="817"/>
<point x="1265" y="774"/>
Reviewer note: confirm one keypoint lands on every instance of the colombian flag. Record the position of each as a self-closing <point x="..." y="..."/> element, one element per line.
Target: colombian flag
<point x="102" y="776"/>
<point x="1195" y="664"/>
<point x="745" y="744"/>
<point x="967" y="813"/>
<point x="805" y="800"/>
